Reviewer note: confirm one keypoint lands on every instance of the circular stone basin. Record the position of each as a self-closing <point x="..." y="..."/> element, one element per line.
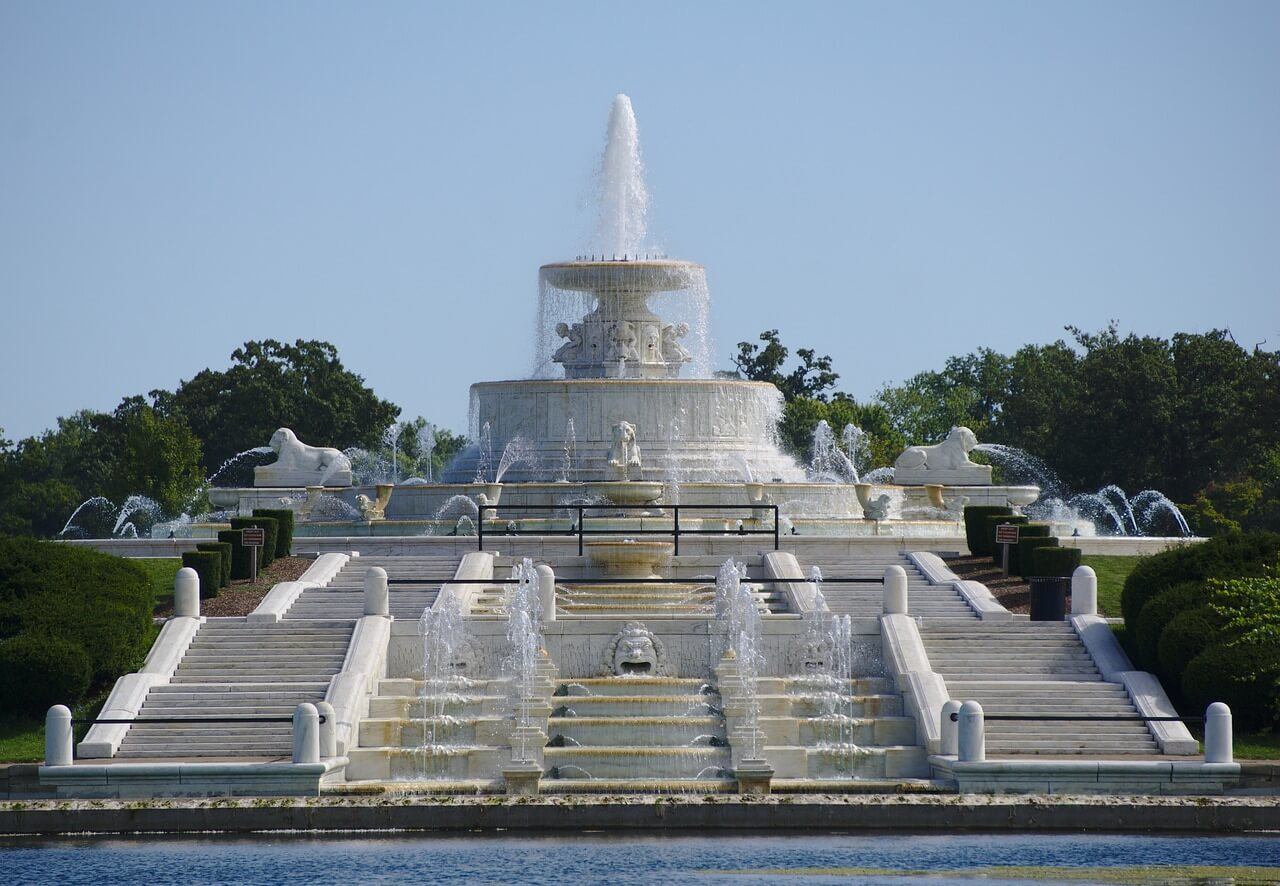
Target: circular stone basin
<point x="650" y="275"/>
<point x="627" y="492"/>
<point x="630" y="559"/>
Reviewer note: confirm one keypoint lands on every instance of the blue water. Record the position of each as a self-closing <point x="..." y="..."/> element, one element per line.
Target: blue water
<point x="587" y="858"/>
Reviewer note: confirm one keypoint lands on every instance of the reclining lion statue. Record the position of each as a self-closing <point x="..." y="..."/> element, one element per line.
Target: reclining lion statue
<point x="950" y="456"/>
<point x="297" y="459"/>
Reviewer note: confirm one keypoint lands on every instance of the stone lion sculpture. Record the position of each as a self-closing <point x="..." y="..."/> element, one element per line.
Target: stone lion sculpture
<point x="950" y="455"/>
<point x="298" y="456"/>
<point x="624" y="453"/>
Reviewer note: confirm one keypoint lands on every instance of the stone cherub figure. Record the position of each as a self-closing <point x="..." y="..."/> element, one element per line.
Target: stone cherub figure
<point x="624" y="454"/>
<point x="571" y="349"/>
<point x="672" y="350"/>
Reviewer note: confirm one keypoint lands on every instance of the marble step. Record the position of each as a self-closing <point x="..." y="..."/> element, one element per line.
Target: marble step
<point x="635" y="762"/>
<point x="631" y="686"/>
<point x="678" y="731"/>
<point x="635" y="706"/>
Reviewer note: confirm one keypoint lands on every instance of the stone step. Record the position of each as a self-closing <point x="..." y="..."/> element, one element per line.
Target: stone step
<point x="249" y="678"/>
<point x="635" y="762"/>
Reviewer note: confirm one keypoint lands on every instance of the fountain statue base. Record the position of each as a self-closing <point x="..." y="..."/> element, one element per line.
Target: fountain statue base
<point x="630" y="559"/>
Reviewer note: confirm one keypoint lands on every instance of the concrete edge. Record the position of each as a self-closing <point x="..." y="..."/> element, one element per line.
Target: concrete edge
<point x="364" y="665"/>
<point x="1103" y="647"/>
<point x="1149" y="697"/>
<point x="800" y="596"/>
<point x="976" y="595"/>
<point x="907" y="663"/>
<point x="284" y="594"/>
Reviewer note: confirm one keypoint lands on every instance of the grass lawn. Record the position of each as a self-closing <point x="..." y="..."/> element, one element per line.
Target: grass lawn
<point x="162" y="570"/>
<point x="1112" y="571"/>
<point x="22" y="738"/>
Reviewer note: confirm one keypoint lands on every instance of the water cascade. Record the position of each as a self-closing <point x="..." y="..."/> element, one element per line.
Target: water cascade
<point x="828" y="464"/>
<point x="444" y="641"/>
<point x="484" y="463"/>
<point x="524" y="639"/>
<point x="570" y="452"/>
<point x="738" y="614"/>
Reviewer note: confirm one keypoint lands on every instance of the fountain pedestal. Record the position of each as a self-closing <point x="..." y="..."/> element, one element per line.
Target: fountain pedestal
<point x="630" y="559"/>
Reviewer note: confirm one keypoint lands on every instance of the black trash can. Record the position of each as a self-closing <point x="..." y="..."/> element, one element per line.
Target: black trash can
<point x="1049" y="597"/>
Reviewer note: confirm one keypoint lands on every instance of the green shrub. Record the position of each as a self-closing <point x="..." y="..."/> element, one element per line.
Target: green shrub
<point x="1158" y="612"/>
<point x="975" y="527"/>
<point x="1023" y="564"/>
<point x="223" y="550"/>
<point x="284" y="528"/>
<point x="267" y="553"/>
<point x="1226" y="556"/>
<point x="1191" y="632"/>
<point x="96" y="601"/>
<point x="992" y="521"/>
<point x="1244" y="675"/>
<point x="208" y="565"/>
<point x="41" y="671"/>
<point x="240" y="563"/>
<point x="1055" y="561"/>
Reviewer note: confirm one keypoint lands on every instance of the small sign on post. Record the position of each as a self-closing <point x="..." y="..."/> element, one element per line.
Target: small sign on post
<point x="1006" y="534"/>
<point x="253" y="538"/>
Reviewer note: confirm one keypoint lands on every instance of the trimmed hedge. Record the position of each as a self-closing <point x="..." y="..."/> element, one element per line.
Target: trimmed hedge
<point x="223" y="549"/>
<point x="992" y="522"/>
<point x="267" y="554"/>
<point x="1191" y="632"/>
<point x="975" y="527"/>
<point x="1055" y="561"/>
<point x="1236" y="555"/>
<point x="284" y="528"/>
<point x="1023" y="563"/>
<point x="208" y="565"/>
<point x="1158" y="612"/>
<point x="96" y="602"/>
<point x="240" y="564"/>
<point x="41" y="671"/>
<point x="1244" y="675"/>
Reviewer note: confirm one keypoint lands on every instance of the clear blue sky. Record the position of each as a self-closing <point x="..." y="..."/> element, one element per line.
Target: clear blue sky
<point x="888" y="183"/>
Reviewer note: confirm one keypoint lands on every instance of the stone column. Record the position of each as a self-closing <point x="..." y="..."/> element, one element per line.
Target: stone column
<point x="58" y="738"/>
<point x="895" y="591"/>
<point x="1217" y="734"/>
<point x="972" y="743"/>
<point x="1084" y="591"/>
<point x="547" y="592"/>
<point x="186" y="593"/>
<point x="950" y="729"/>
<point x="306" y="734"/>
<point x="328" y="730"/>
<point x="376" y="598"/>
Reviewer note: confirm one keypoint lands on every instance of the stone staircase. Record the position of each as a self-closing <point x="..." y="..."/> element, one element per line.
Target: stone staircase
<point x="865" y="600"/>
<point x="343" y="597"/>
<point x="1027" y="668"/>
<point x="237" y="669"/>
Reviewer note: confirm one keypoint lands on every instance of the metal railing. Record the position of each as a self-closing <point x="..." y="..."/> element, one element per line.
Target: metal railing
<point x="94" y="721"/>
<point x="579" y="527"/>
<point x="1082" y="718"/>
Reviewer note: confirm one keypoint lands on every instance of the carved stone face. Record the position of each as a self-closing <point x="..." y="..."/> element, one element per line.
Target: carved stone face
<point x="635" y="654"/>
<point x="815" y="658"/>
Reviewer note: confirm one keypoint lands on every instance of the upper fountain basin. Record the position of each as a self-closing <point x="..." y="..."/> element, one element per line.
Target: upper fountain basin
<point x="645" y="275"/>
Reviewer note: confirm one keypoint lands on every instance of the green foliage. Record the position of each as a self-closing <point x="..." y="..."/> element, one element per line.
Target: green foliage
<point x="1157" y="613"/>
<point x="1189" y="633"/>
<point x="99" y="603"/>
<point x="1055" y="561"/>
<point x="801" y="415"/>
<point x="1228" y="556"/>
<point x="1244" y="675"/>
<point x="1249" y="607"/>
<point x="241" y="562"/>
<point x="41" y="670"/>
<point x="267" y="554"/>
<point x="975" y="527"/>
<point x="810" y="379"/>
<point x="270" y="385"/>
<point x="1026" y="547"/>
<point x="284" y="528"/>
<point x="223" y="550"/>
<point x="1250" y="503"/>
<point x="208" y="565"/>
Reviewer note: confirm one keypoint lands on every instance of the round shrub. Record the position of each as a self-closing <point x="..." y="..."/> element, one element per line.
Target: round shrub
<point x="240" y="562"/>
<point x="1055" y="561"/>
<point x="284" y="528"/>
<point x="1244" y="675"/>
<point x="1236" y="555"/>
<point x="1191" y="632"/>
<point x="208" y="565"/>
<point x="223" y="549"/>
<point x="1026" y="546"/>
<point x="41" y="671"/>
<point x="1157" y="613"/>
<point x="267" y="553"/>
<point x="975" y="527"/>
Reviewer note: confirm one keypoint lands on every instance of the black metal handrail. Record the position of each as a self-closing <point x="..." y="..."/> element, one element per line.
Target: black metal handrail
<point x="93" y="721"/>
<point x="1073" y="718"/>
<point x="675" y="532"/>
<point x="624" y="581"/>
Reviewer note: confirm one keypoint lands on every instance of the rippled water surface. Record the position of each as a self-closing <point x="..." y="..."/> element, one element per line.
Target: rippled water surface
<point x="596" y="858"/>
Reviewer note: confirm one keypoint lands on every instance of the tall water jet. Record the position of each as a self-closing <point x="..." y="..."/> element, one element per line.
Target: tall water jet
<point x="427" y="447"/>
<point x="524" y="638"/>
<point x="570" y="451"/>
<point x="857" y="447"/>
<point x="622" y="199"/>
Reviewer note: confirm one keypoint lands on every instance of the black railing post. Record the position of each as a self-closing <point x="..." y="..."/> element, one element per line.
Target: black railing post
<point x="582" y="518"/>
<point x="480" y="526"/>
<point x="675" y="529"/>
<point x="775" y="527"/>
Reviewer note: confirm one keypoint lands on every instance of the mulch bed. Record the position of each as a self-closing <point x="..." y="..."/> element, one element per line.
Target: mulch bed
<point x="1013" y="592"/>
<point x="242" y="597"/>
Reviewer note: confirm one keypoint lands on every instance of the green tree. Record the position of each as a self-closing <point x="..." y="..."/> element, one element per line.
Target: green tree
<point x="811" y="378"/>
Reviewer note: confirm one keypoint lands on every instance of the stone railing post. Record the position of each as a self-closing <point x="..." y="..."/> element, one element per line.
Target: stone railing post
<point x="949" y="729"/>
<point x="1217" y="734"/>
<point x="58" y="738"/>
<point x="546" y="592"/>
<point x="376" y="598"/>
<point x="328" y="730"/>
<point x="186" y="593"/>
<point x="306" y="734"/>
<point x="895" y="591"/>
<point x="1084" y="591"/>
<point x="972" y="742"/>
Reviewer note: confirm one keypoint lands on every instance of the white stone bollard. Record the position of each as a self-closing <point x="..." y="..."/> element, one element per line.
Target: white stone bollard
<point x="186" y="593"/>
<point x="547" y="591"/>
<point x="58" y="738"/>
<point x="377" y="601"/>
<point x="306" y="734"/>
<point x="972" y="740"/>
<point x="1084" y="591"/>
<point x="1217" y="734"/>
<point x="328" y="730"/>
<point x="950" y="729"/>
<point x="895" y="591"/>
